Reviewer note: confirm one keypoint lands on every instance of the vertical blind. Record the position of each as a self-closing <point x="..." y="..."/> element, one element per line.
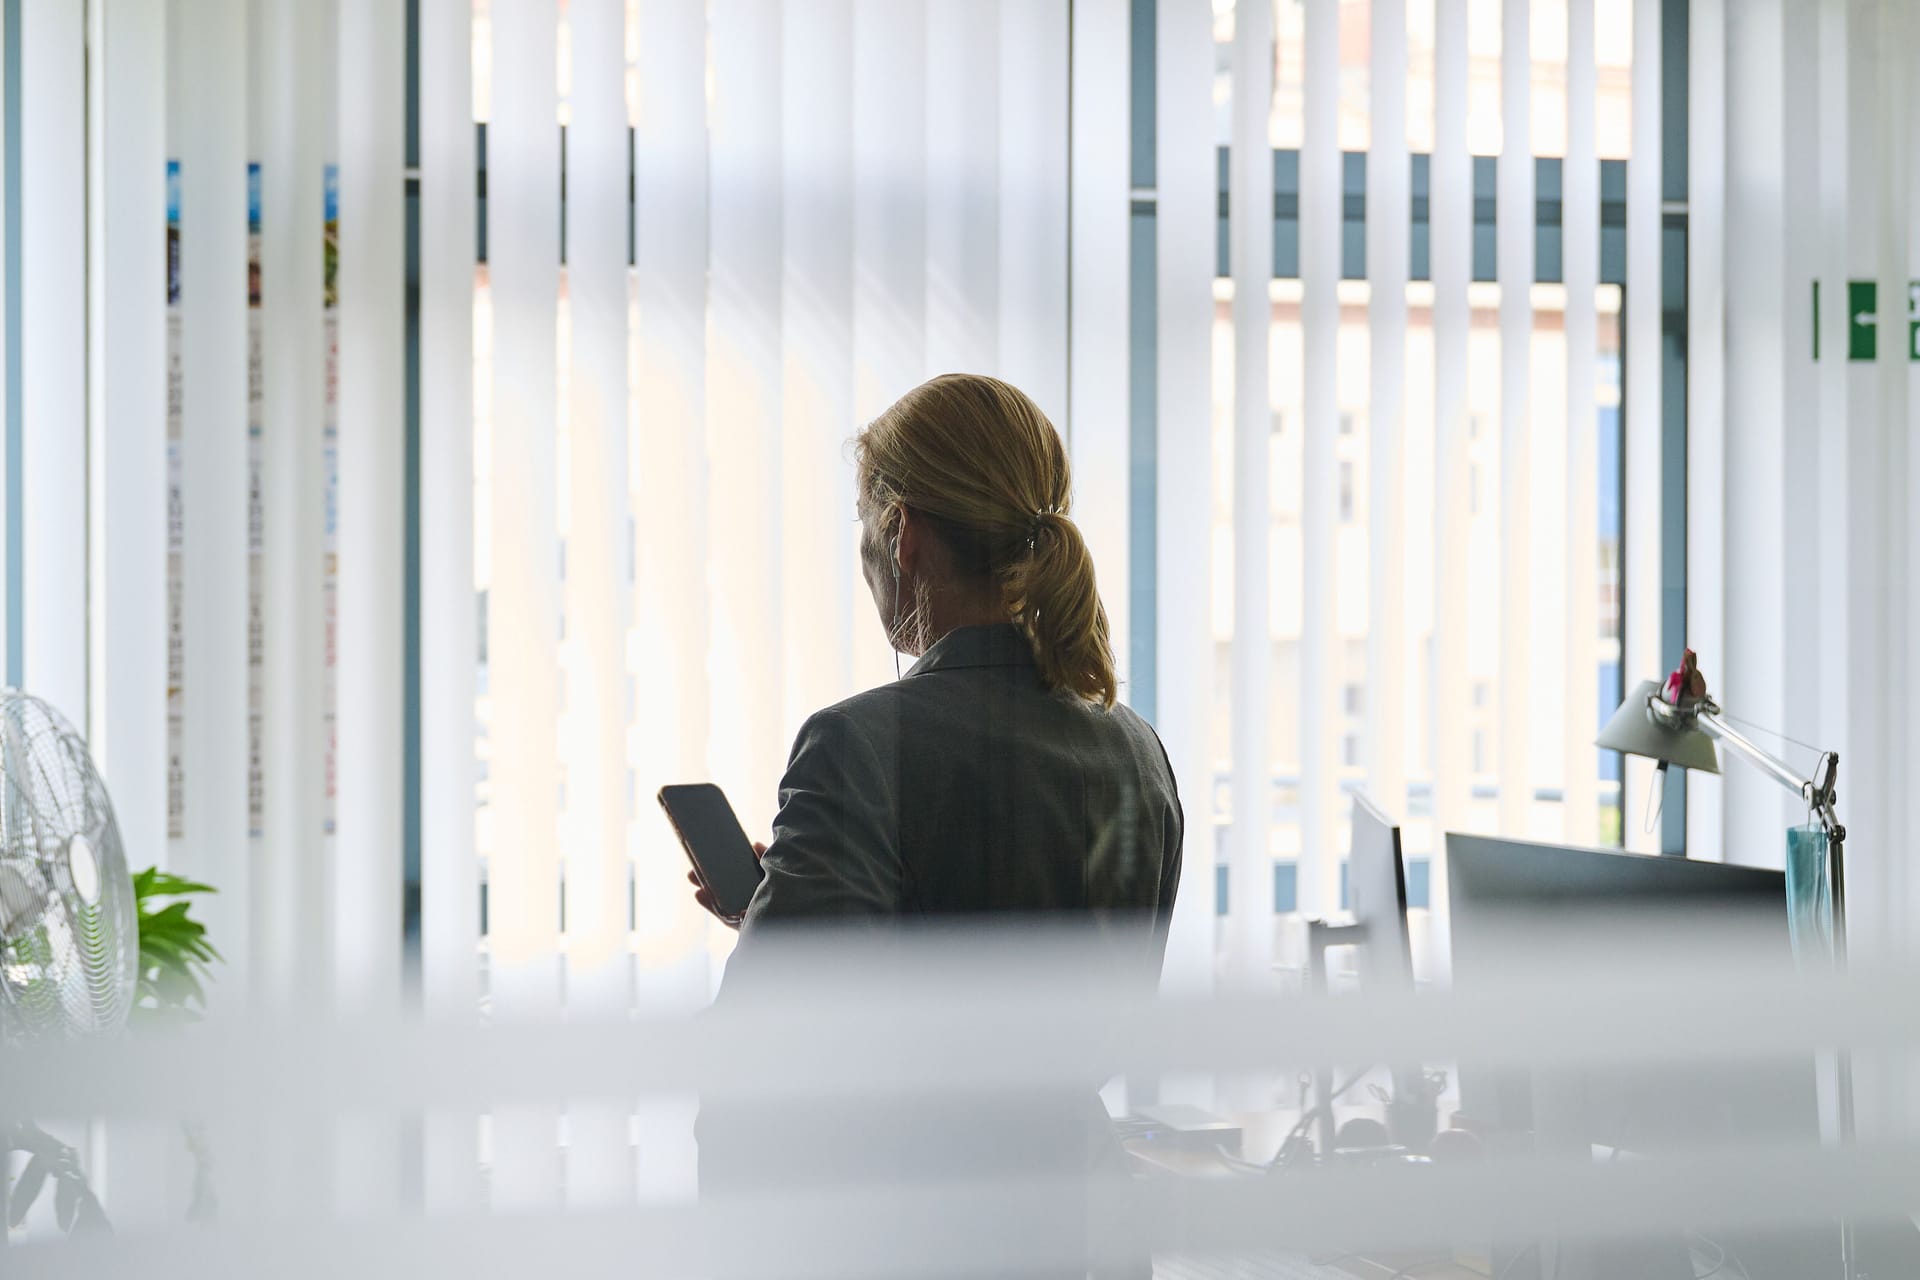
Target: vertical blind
<point x="671" y="253"/>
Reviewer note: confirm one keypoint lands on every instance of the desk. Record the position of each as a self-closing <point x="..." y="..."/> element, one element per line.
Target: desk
<point x="1281" y="1266"/>
<point x="1260" y="1136"/>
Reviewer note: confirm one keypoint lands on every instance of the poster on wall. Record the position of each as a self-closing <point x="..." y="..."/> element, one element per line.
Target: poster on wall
<point x="176" y="520"/>
<point x="330" y="465"/>
<point x="256" y="523"/>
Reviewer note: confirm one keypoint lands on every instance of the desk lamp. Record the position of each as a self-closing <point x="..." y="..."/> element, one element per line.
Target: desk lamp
<point x="1679" y="724"/>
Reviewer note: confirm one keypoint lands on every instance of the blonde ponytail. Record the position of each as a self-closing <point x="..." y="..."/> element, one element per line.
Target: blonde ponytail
<point x="979" y="457"/>
<point x="1053" y="597"/>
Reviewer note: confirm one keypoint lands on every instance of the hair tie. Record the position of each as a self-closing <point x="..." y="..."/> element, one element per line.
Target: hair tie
<point x="1033" y="532"/>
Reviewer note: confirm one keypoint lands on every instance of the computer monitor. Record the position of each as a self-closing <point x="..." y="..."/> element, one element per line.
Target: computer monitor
<point x="1377" y="897"/>
<point x="1510" y="898"/>
<point x="1546" y="902"/>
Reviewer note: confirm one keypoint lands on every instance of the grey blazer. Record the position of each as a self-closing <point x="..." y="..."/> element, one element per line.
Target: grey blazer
<point x="965" y="791"/>
<point x="968" y="788"/>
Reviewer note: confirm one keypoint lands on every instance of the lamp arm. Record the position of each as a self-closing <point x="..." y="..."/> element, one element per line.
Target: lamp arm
<point x="1713" y="723"/>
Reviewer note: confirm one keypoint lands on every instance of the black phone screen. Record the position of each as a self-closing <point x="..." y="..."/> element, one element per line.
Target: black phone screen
<point x="712" y="837"/>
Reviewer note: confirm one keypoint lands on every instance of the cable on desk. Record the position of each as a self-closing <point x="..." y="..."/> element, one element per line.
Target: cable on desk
<point x="1515" y="1260"/>
<point x="1719" y="1265"/>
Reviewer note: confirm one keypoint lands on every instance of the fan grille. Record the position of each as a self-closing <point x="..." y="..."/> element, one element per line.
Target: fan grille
<point x="67" y="965"/>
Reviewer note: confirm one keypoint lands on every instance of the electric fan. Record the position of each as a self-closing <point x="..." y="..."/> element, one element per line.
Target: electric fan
<point x="69" y="933"/>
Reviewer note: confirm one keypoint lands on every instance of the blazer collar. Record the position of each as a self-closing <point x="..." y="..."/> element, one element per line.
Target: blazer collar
<point x="995" y="645"/>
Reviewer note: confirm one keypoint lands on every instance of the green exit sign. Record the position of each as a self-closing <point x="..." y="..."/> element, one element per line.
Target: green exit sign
<point x="1863" y="320"/>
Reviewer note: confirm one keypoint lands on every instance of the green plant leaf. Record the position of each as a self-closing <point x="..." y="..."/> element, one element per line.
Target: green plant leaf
<point x="175" y="955"/>
<point x="27" y="1189"/>
<point x="162" y="884"/>
<point x="169" y="917"/>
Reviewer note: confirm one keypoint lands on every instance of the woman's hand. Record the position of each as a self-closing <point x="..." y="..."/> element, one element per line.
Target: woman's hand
<point x="705" y="899"/>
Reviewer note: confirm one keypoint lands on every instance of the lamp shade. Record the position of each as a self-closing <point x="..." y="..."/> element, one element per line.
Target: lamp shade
<point x="1634" y="731"/>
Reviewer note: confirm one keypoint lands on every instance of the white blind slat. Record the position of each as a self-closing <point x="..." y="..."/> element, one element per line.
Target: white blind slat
<point x="1802" y="426"/>
<point x="1250" y="894"/>
<point x="1184" y="330"/>
<point x="1514" y="217"/>
<point x="128" y="351"/>
<point x="53" y="373"/>
<point x="1320" y="214"/>
<point x="449" y="904"/>
<point x="670" y="498"/>
<point x="1643" y="515"/>
<point x="1706" y="387"/>
<point x="890" y="237"/>
<point x="207" y="55"/>
<point x="1835" y="680"/>
<point x="1753" y="668"/>
<point x="599" y="1157"/>
<point x="962" y="159"/>
<point x="743" y="405"/>
<point x="369" y="850"/>
<point x="1098" y="427"/>
<point x="1452" y="258"/>
<point x="1580" y="186"/>
<point x="1389" y="214"/>
<point x="1896" y="264"/>
<point x="1032" y="143"/>
<point x="372" y="500"/>
<point x="126" y="356"/>
<point x="817" y="338"/>
<point x="449" y="644"/>
<point x="523" y="613"/>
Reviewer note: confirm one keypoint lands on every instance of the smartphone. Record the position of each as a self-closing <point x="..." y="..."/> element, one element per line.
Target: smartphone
<point x="721" y="854"/>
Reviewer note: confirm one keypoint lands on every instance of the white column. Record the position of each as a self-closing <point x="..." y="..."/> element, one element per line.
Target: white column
<point x="1185" y="164"/>
<point x="523" y="615"/>
<point x="1389" y="218"/>
<point x="53" y="346"/>
<point x="743" y="397"/>
<point x="449" y="645"/>
<point x="1035" y="76"/>
<point x="1250" y="205"/>
<point x="1320" y="214"/>
<point x="599" y="1159"/>
<point x="1098" y="424"/>
<point x="1451" y="253"/>
<point x="962" y="160"/>
<point x="1580" y="256"/>
<point x="1642" y="519"/>
<point x="1515" y="269"/>
<point x="816" y="326"/>
<point x="207" y="55"/>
